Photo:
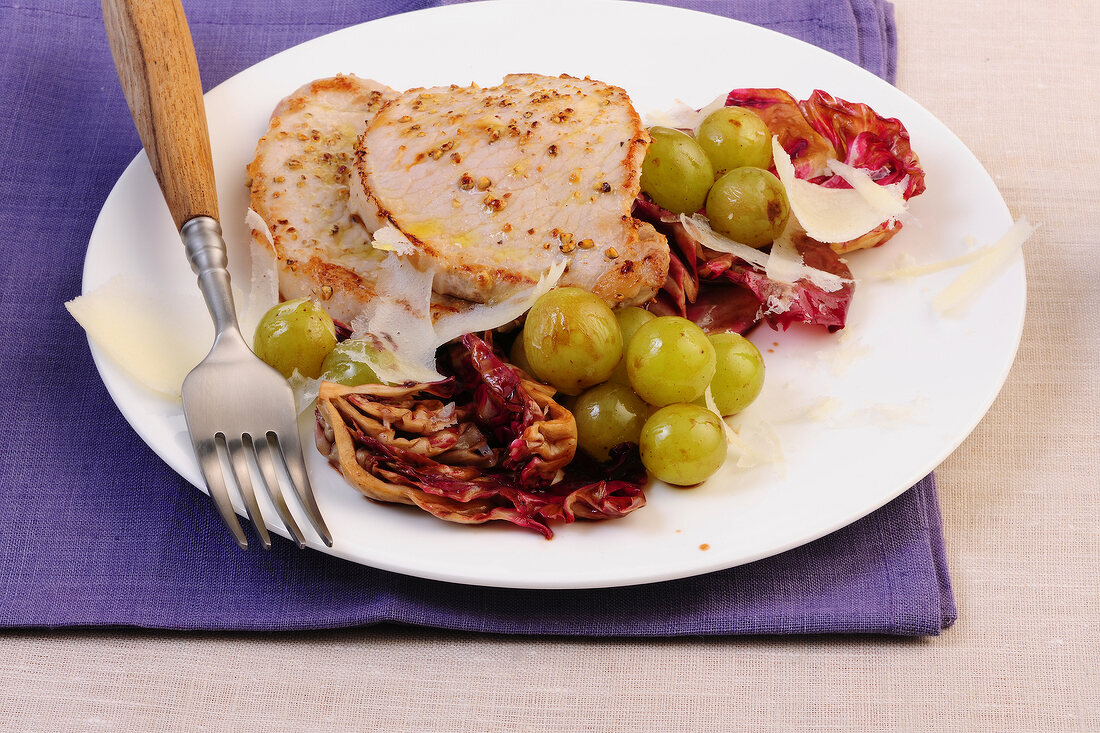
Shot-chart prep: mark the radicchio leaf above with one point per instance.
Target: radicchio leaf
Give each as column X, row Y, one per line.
column 823, row 127
column 488, row 444
column 721, row 292
column 863, row 139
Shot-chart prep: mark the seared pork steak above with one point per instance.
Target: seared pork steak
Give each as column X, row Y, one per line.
column 493, row 185
column 299, row 184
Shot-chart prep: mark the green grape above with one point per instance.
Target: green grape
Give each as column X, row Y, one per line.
column 349, row 364
column 669, row 360
column 518, row 356
column 733, row 137
column 739, row 375
column 572, row 339
column 749, row 206
column 607, row 415
column 683, row 444
column 676, row 173
column 630, row 320
column 297, row 334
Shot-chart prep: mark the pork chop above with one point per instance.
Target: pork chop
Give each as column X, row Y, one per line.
column 493, row 185
column 299, row 186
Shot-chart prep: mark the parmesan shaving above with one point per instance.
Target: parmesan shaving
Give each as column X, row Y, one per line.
column 305, row 390
column 256, row 223
column 824, row 409
column 788, row 268
column 390, row 239
column 708, row 399
column 908, row 267
column 755, row 441
column 485, row 317
column 155, row 337
column 698, row 226
column 399, row 320
column 785, row 264
column 683, row 116
column 833, row 215
column 992, row 259
column 888, row 199
column 888, row 416
column 845, row 351
column 264, row 291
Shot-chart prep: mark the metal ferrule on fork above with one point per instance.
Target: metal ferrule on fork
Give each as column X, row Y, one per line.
column 202, row 240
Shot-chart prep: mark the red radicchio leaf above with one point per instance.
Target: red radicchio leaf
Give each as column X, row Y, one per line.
column 808, row 148
column 589, row 491
column 503, row 407
column 863, row 139
column 725, row 308
column 824, row 127
column 729, row 294
column 516, row 447
column 806, row 302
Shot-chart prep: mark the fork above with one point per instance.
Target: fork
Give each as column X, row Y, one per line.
column 240, row 412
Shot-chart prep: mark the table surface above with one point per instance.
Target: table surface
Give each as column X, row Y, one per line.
column 1019, row 82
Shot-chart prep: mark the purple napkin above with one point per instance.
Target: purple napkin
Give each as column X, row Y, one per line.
column 96, row 530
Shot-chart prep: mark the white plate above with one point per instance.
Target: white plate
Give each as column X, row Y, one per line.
column 859, row 418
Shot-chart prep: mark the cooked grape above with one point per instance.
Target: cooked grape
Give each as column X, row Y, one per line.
column 669, row 360
column 739, row 374
column 733, row 137
column 572, row 339
column 630, row 320
column 349, row 364
column 749, row 206
column 607, row 415
column 518, row 356
column 683, row 444
column 676, row 173
column 297, row 334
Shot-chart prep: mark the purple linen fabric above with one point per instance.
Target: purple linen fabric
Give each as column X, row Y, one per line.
column 95, row 530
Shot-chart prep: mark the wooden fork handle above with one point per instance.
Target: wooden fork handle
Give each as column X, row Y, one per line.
column 155, row 58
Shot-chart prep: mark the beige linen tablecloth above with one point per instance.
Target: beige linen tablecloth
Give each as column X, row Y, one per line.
column 1019, row 82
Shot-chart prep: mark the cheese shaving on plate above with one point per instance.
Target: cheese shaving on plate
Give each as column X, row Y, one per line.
column 487, row 316
column 783, row 265
column 953, row 299
column 398, row 320
column 390, row 239
column 264, row 291
column 155, row 337
column 833, row 215
column 908, row 267
column 305, row 390
column 752, row 441
column 683, row 116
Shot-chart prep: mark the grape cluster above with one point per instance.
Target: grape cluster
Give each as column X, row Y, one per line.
column 723, row 171
column 638, row 379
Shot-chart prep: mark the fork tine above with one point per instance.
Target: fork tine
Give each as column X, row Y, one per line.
column 295, row 465
column 244, row 480
column 210, row 466
column 269, row 479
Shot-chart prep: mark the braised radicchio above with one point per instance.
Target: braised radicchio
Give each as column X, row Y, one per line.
column 721, row 292
column 825, row 127
column 487, row 444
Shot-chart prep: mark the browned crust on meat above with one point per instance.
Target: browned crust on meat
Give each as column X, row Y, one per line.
column 637, row 275
column 342, row 290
